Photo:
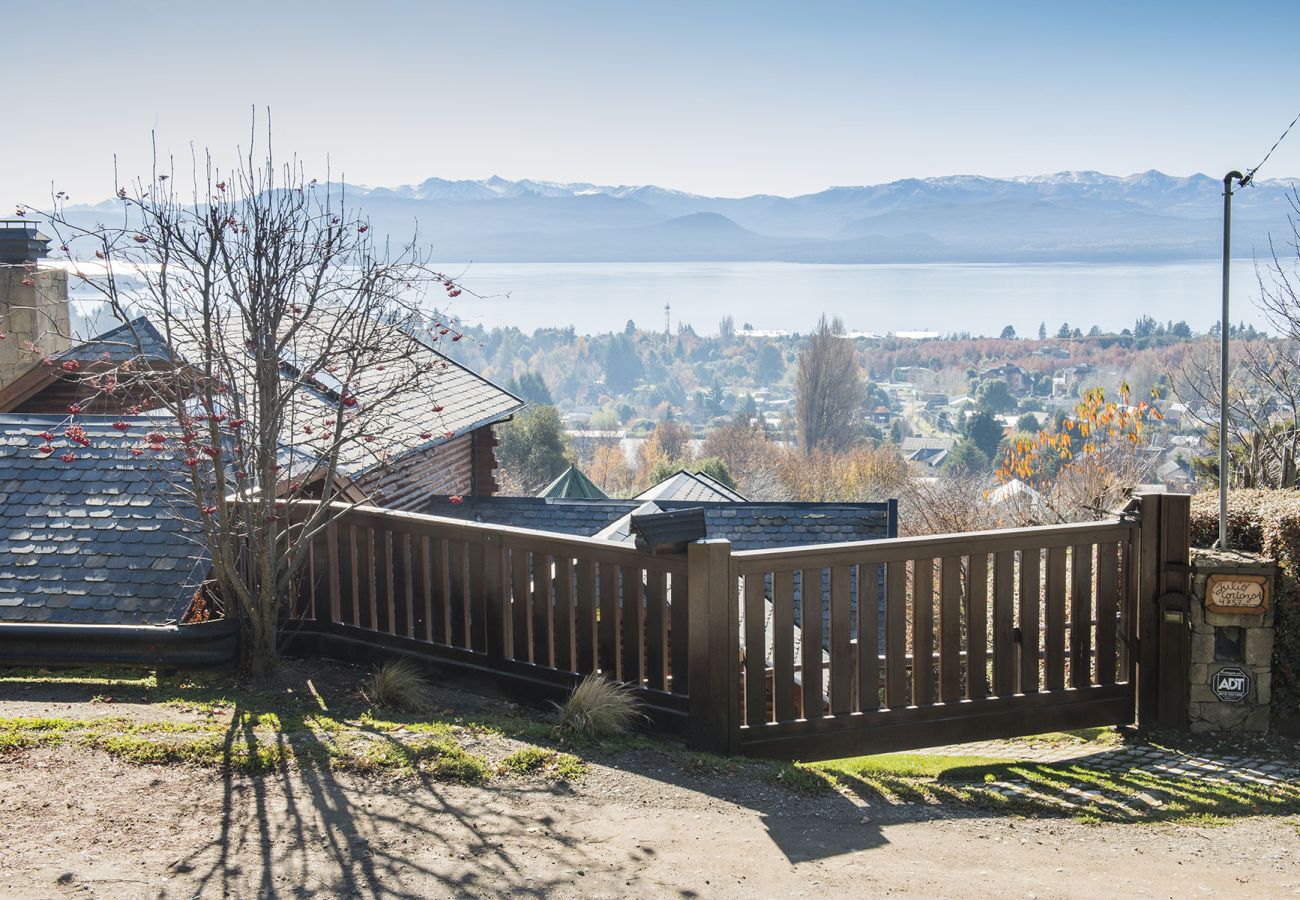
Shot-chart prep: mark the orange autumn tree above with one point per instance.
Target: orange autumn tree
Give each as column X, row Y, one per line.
column 1086, row 466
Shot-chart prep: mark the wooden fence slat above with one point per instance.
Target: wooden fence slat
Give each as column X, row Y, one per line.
column 1107, row 610
column 477, row 598
column 896, row 686
column 442, row 588
column 922, row 632
column 1130, row 572
column 408, row 583
column 755, row 650
column 309, row 574
column 464, row 595
column 543, row 611
column 520, row 580
column 679, row 633
column 869, row 600
column 633, row 624
column 656, row 629
column 387, row 581
column 977, row 624
column 564, row 614
column 336, row 598
column 1004, row 643
column 426, row 584
column 1030, row 604
column 1081, row 616
column 585, row 625
column 950, row 573
column 354, row 571
column 1054, row 620
column 841, row 643
column 811, row 611
column 783, row 646
column 372, row 581
column 608, row 630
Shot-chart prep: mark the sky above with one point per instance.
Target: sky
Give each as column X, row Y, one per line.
column 716, row 98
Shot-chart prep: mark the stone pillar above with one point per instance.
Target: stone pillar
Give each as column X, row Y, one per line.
column 1231, row 616
column 33, row 313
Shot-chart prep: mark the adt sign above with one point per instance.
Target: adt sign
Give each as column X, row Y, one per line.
column 1231, row 684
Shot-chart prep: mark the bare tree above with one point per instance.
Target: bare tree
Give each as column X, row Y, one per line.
column 293, row 334
column 829, row 392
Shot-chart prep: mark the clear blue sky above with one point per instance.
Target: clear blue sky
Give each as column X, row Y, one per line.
column 713, row 97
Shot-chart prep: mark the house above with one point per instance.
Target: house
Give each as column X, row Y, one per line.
column 1018, row 380
column 408, row 462
column 930, row 451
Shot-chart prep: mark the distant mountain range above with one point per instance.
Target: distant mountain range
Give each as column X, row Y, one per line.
column 1066, row 217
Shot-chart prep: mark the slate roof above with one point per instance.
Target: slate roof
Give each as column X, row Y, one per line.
column 573, row 485
column 756, row 526
column 465, row 400
column 690, row 486
column 128, row 341
column 93, row 541
column 582, row 518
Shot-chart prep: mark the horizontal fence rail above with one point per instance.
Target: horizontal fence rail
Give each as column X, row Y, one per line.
column 854, row 648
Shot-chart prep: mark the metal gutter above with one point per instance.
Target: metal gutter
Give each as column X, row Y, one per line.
column 203, row 644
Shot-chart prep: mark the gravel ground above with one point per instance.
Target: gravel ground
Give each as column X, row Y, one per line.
column 644, row 822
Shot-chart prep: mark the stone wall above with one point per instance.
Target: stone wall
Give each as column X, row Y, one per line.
column 1220, row 641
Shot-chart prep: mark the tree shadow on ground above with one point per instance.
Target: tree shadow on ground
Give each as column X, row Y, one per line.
column 305, row 829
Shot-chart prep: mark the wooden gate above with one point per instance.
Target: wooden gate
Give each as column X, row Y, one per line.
column 885, row 645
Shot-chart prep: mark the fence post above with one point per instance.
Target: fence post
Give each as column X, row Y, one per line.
column 494, row 598
column 1163, row 556
column 713, row 618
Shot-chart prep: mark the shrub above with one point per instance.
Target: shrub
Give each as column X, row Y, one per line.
column 397, row 684
column 598, row 708
column 1266, row 522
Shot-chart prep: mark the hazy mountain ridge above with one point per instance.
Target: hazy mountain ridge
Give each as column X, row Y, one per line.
column 1062, row 217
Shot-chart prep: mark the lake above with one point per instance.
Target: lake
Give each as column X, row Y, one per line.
column 981, row 299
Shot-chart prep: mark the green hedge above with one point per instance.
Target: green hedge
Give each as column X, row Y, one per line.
column 1266, row 522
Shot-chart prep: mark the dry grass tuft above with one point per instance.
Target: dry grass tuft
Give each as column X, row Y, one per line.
column 397, row 684
column 598, row 708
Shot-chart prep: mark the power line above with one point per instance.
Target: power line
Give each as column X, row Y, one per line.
column 1250, row 174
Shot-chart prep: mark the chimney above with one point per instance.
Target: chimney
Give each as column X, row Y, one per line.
column 33, row 301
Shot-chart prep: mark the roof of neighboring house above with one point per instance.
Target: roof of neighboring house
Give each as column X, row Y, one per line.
column 93, row 541
column 756, row 526
column 423, row 392
column 727, row 515
column 419, row 391
column 912, row 444
column 582, row 518
column 691, row 486
column 130, row 340
column 573, row 485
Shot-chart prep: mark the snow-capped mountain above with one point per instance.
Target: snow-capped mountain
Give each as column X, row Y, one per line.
column 1066, row 216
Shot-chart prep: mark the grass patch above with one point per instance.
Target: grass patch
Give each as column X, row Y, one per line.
column 910, row 765
column 209, row 752
column 539, row 761
column 1103, row 736
column 803, row 778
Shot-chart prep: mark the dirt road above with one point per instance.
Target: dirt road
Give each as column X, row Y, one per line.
column 75, row 822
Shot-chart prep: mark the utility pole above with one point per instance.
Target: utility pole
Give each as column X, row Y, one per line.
column 1242, row 181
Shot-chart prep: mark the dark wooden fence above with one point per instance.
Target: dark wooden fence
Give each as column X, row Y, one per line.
column 806, row 653
column 531, row 608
